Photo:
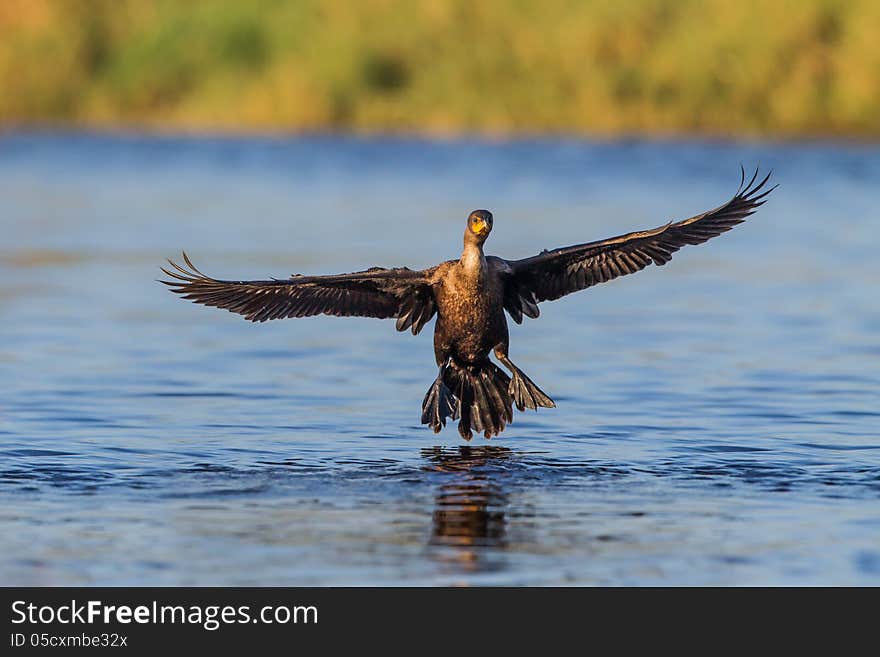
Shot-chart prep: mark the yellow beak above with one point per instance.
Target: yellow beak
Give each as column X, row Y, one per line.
column 480, row 227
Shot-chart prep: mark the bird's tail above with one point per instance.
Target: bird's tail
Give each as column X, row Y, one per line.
column 477, row 396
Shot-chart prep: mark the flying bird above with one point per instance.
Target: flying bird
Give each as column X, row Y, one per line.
column 469, row 296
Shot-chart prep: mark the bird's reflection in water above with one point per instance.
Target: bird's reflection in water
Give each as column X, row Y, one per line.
column 470, row 503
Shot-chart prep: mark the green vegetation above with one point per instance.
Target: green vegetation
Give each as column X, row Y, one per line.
column 785, row 68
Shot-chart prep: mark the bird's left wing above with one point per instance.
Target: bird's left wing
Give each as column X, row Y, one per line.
column 553, row 274
column 383, row 293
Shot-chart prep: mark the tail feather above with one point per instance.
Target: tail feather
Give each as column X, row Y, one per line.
column 481, row 400
column 494, row 403
column 489, row 418
column 496, row 387
column 465, row 394
column 481, row 397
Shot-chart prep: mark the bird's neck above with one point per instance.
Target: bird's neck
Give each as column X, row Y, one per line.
column 473, row 262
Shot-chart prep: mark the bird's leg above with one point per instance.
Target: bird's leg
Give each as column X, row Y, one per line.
column 523, row 390
column 438, row 403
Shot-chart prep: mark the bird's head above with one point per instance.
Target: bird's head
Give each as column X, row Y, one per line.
column 479, row 225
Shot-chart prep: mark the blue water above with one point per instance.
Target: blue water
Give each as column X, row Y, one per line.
column 717, row 418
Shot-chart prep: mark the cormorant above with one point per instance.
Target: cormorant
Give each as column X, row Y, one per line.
column 469, row 297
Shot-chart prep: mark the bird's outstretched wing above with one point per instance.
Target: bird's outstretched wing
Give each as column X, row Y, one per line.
column 383, row 293
column 553, row 274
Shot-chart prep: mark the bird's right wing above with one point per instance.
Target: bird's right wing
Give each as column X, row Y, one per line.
column 383, row 293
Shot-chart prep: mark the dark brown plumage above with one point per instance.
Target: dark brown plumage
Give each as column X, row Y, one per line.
column 469, row 297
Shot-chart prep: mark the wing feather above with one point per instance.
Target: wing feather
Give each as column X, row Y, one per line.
column 553, row 274
column 376, row 292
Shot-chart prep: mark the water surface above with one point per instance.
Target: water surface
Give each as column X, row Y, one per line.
column 716, row 423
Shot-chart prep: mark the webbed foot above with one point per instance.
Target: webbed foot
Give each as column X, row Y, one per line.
column 438, row 404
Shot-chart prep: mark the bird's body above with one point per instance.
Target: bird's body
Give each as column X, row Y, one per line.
column 470, row 297
column 470, row 312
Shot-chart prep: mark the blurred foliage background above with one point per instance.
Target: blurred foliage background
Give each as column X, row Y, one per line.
column 785, row 68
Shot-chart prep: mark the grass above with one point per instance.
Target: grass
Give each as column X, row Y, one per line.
column 784, row 68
